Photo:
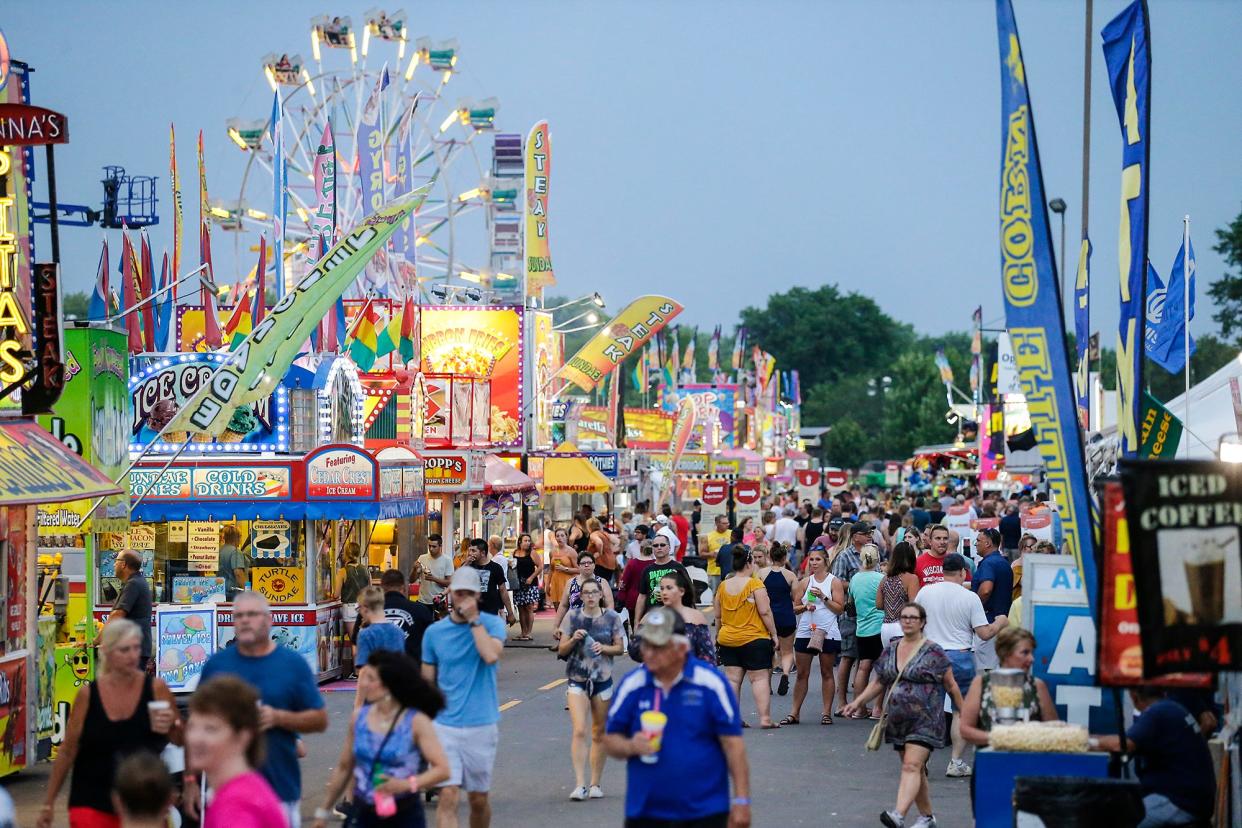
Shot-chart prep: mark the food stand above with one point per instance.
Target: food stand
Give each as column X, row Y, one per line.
column 297, row 518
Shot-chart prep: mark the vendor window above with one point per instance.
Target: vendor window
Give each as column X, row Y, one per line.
column 195, row 562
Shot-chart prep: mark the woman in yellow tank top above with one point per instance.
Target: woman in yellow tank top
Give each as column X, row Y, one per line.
column 746, row 633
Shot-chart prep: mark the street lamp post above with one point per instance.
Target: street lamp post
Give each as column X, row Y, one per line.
column 1057, row 205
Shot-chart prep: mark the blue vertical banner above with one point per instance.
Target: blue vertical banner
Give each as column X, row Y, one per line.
column 1082, row 333
column 280, row 194
column 1128, row 57
column 1033, row 313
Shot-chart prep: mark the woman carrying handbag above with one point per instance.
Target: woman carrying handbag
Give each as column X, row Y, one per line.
column 917, row 673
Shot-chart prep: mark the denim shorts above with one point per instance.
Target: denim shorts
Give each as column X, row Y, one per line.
column 963, row 662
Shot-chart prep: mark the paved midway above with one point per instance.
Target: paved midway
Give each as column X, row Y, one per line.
column 800, row 775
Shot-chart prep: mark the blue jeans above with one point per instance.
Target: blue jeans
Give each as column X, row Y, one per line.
column 1162, row 812
column 963, row 662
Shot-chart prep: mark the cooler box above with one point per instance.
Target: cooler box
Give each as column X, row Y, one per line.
column 995, row 772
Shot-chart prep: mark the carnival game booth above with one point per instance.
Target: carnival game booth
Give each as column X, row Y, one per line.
column 301, row 521
column 36, row 470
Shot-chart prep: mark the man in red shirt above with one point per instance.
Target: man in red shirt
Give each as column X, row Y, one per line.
column 930, row 565
column 681, row 525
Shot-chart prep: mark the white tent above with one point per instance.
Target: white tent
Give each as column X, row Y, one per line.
column 1211, row 412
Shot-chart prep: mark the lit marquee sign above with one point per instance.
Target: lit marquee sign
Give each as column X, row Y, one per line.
column 14, row 320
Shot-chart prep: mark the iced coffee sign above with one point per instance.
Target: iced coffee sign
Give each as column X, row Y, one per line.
column 1184, row 518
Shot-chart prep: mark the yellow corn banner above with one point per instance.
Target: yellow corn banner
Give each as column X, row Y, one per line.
column 625, row 334
column 258, row 364
column 538, row 164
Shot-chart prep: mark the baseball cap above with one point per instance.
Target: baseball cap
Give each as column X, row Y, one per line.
column 836, row 523
column 659, row 626
column 661, row 519
column 466, row 578
column 954, row 563
column 861, row 526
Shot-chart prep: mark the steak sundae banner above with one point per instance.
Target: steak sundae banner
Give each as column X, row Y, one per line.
column 1183, row 518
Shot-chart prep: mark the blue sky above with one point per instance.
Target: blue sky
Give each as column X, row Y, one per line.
column 713, row 151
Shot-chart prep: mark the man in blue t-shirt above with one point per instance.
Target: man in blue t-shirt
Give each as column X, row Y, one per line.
column 1174, row 764
column 993, row 581
column 288, row 694
column 703, row 732
column 460, row 654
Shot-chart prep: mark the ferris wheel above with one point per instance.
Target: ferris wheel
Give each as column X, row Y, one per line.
column 394, row 121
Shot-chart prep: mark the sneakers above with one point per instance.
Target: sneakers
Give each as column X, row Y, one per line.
column 579, row 794
column 892, row 819
column 783, row 687
column 925, row 821
column 596, row 792
column 958, row 768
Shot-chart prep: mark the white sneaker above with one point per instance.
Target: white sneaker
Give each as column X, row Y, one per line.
column 928, row 821
column 596, row 792
column 892, row 819
column 958, row 768
column 579, row 794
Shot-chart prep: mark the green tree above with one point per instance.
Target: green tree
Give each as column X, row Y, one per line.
column 846, row 445
column 825, row 334
column 75, row 305
column 914, row 407
column 1226, row 291
column 1210, row 355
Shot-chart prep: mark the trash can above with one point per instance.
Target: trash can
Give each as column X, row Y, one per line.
column 1076, row 802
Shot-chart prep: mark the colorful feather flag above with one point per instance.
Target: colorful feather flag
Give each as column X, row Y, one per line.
column 409, row 326
column 129, row 293
column 363, row 348
column 280, row 196
column 260, row 296
column 240, row 322
column 175, row 179
column 739, row 346
column 385, row 337
column 713, row 352
column 207, row 298
column 165, row 307
column 101, row 299
column 146, row 289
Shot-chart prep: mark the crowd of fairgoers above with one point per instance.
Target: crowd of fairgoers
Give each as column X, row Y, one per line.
column 904, row 618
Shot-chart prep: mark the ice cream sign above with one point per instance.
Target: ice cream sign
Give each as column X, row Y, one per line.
column 340, row 472
column 162, row 387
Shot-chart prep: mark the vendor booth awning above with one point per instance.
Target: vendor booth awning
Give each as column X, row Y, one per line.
column 35, row 467
column 501, row 478
column 574, row 474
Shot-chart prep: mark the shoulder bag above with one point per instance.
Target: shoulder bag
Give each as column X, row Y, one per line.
column 356, row 809
column 877, row 733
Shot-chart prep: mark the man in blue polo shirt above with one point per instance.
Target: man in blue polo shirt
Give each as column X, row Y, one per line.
column 703, row 731
column 993, row 582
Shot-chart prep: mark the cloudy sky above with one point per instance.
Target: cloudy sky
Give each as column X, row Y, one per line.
column 713, row 151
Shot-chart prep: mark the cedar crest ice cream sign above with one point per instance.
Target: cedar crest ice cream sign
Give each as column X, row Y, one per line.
column 164, row 385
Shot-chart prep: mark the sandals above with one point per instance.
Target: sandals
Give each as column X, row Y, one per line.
column 790, row 720
column 825, row 719
column 772, row 726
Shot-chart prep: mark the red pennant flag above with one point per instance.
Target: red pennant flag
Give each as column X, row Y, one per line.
column 129, row 292
column 260, row 296
column 146, row 287
column 211, row 319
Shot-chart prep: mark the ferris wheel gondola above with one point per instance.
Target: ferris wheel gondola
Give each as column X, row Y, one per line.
column 399, row 113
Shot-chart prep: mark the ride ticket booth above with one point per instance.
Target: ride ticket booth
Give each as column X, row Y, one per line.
column 298, row 521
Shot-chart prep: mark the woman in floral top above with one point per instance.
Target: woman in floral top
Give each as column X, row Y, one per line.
column 918, row 674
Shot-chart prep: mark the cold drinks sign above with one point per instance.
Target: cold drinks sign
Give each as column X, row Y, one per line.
column 1184, row 518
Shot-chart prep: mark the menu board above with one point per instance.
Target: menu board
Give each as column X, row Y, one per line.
column 185, row 638
column 203, row 546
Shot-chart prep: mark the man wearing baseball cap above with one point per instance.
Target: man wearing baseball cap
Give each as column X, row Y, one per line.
column 702, row 730
column 460, row 653
column 955, row 616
